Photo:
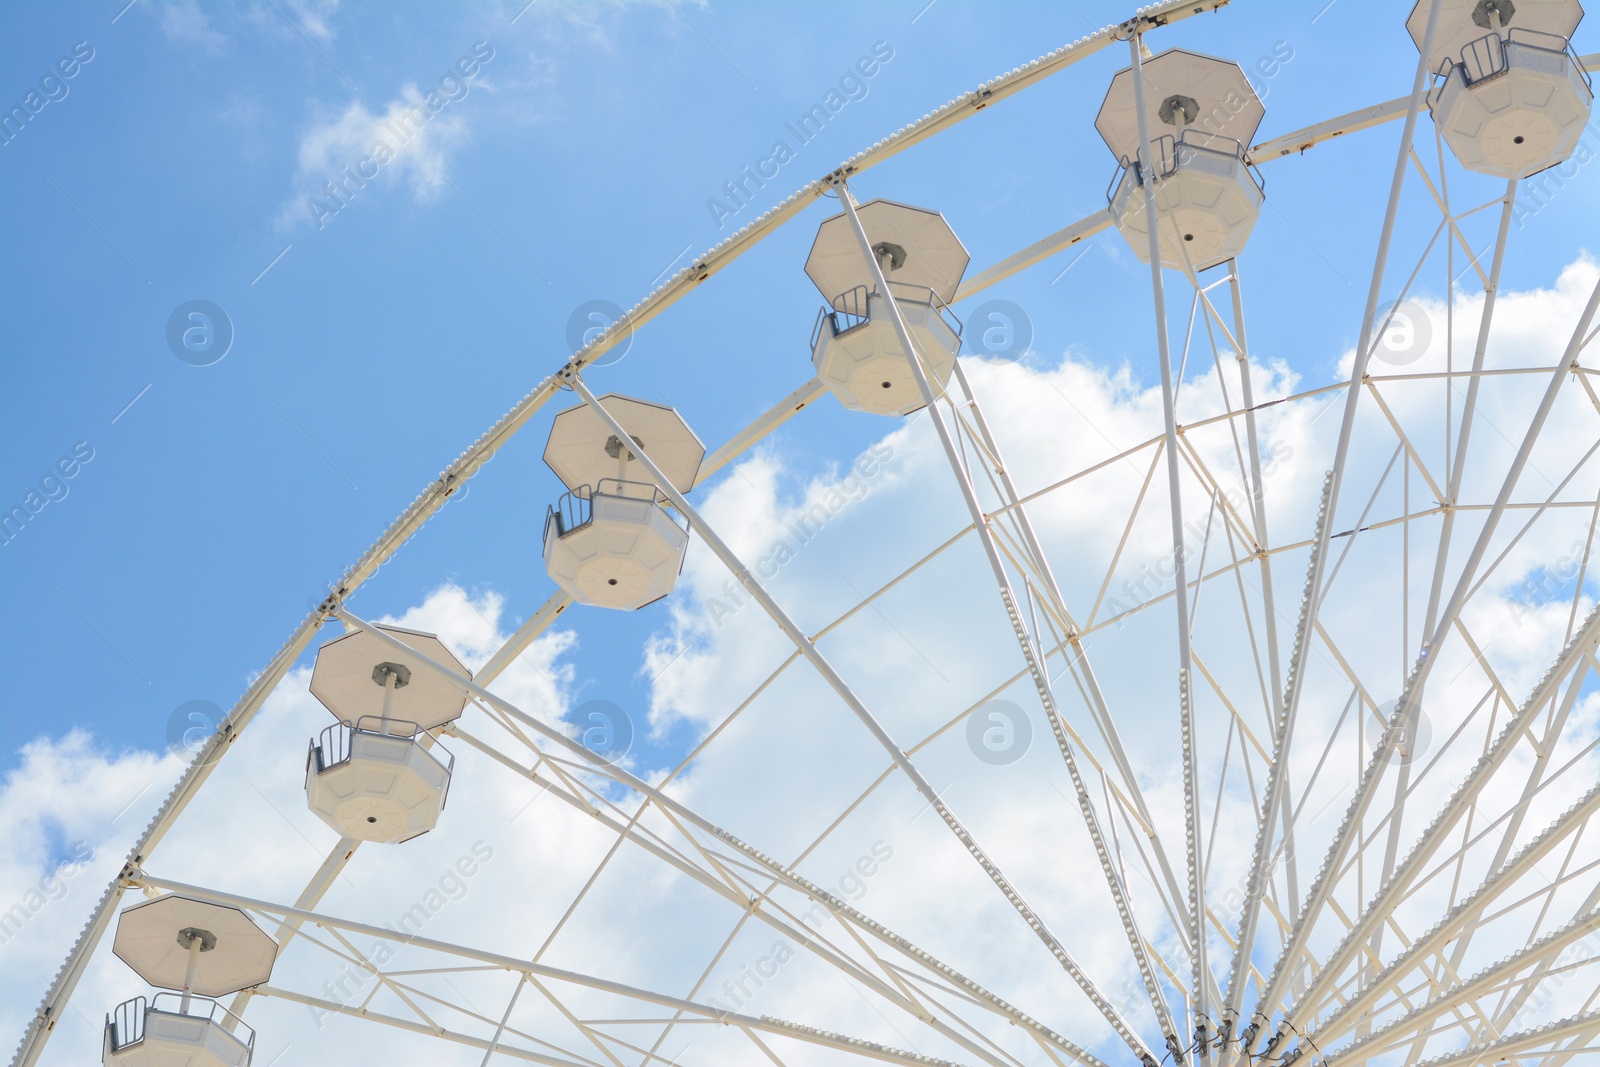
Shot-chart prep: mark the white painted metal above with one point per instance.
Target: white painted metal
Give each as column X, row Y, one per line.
column 1424, row 980
column 1512, row 100
column 344, row 679
column 438, row 492
column 226, row 953
column 1035, row 253
column 371, row 783
column 1199, row 989
column 582, row 450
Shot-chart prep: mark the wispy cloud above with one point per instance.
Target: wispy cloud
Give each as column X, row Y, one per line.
column 313, row 15
column 186, row 24
column 408, row 140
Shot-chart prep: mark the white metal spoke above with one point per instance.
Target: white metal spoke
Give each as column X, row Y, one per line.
column 809, row 650
column 1412, row 692
column 1435, row 923
column 532, row 970
column 663, row 801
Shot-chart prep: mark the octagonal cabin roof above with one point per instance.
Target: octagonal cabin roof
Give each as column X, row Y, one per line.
column 925, row 250
column 152, row 937
column 580, row 450
column 1182, row 90
column 1463, row 21
column 343, row 678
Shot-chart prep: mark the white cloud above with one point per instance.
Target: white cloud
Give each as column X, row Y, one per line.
column 312, row 16
column 185, row 23
column 781, row 771
column 407, row 142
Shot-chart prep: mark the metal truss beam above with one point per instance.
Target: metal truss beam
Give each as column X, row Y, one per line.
column 1405, row 1027
column 1462, row 916
column 1500, row 1050
column 765, row 1024
column 959, row 983
column 1350, row 828
column 666, row 803
column 841, row 688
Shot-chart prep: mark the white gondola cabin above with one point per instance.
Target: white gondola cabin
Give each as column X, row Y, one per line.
column 378, row 774
column 202, row 951
column 612, row 540
column 1200, row 115
column 1510, row 97
column 854, row 347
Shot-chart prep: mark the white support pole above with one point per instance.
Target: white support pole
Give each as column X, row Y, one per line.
column 837, row 683
column 1098, row 708
column 1272, row 995
column 389, row 681
column 500, row 1030
column 1462, row 917
column 764, row 1024
column 1008, row 599
column 667, row 803
column 1037, row 252
column 189, row 970
column 1149, row 175
column 1382, row 905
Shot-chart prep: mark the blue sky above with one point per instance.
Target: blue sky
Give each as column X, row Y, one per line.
column 576, row 164
column 576, row 155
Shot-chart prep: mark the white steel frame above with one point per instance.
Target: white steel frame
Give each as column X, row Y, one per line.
column 1349, row 1003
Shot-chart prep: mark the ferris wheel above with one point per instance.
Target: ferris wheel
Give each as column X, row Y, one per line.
column 1335, row 868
